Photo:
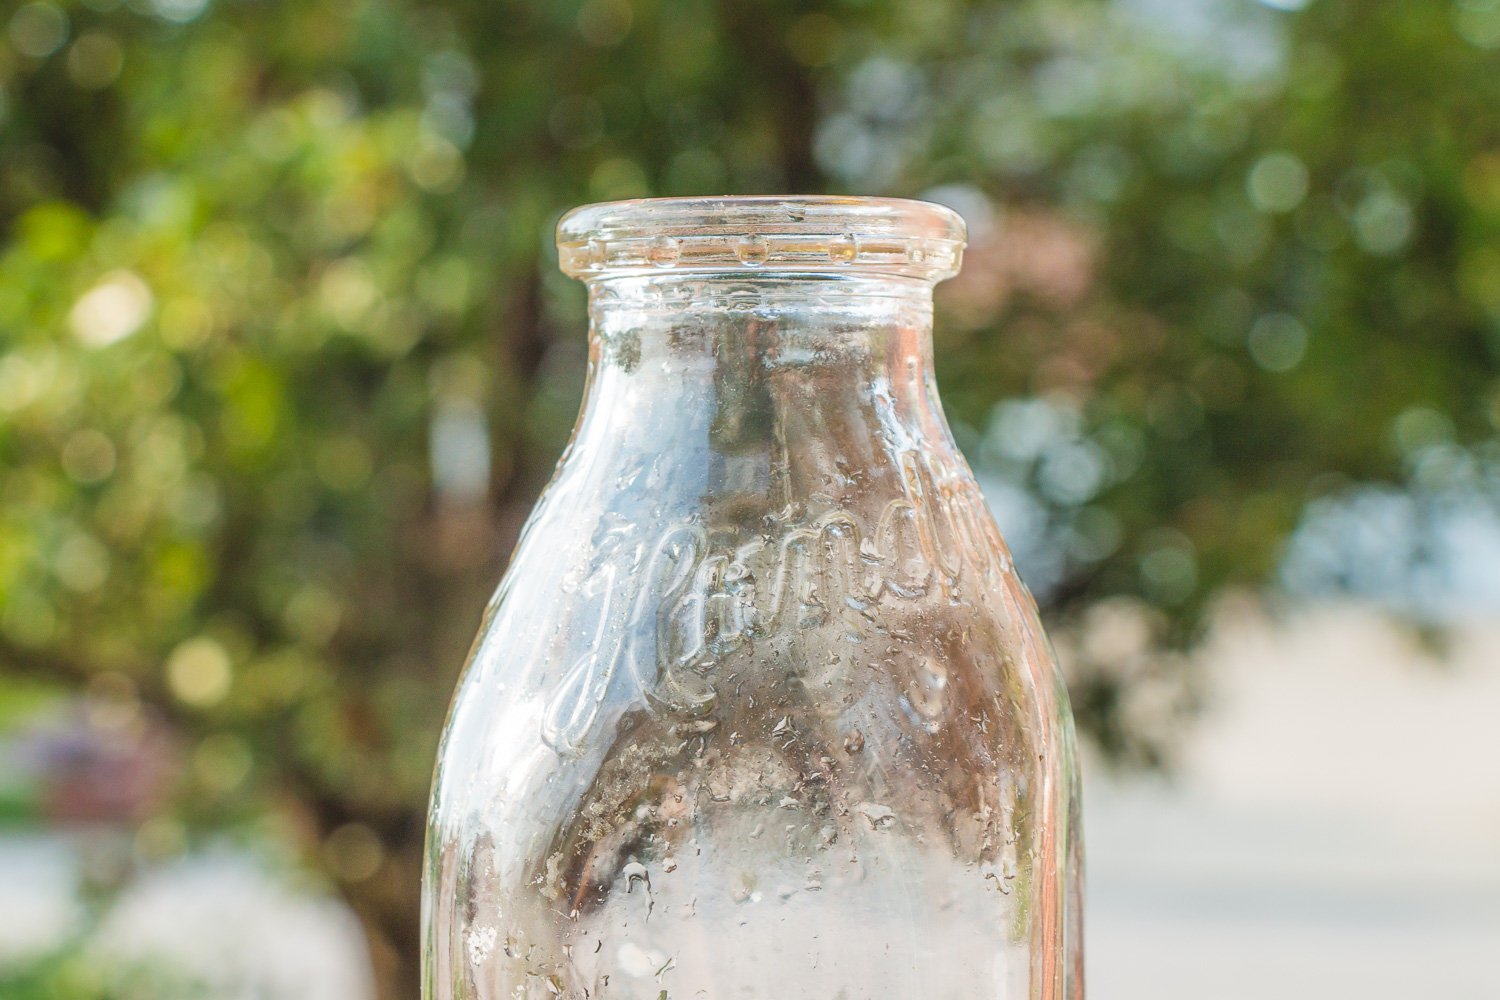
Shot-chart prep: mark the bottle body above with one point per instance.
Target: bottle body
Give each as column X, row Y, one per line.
column 761, row 708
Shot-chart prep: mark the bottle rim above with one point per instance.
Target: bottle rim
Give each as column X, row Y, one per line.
column 802, row 233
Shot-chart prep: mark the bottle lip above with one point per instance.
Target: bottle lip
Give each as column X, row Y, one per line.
column 803, row 233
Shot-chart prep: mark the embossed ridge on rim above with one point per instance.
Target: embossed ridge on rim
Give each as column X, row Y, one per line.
column 808, row 233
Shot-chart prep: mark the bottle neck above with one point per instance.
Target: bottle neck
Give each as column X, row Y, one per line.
column 760, row 356
column 781, row 390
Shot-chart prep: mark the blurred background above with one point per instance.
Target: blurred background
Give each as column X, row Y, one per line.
column 285, row 359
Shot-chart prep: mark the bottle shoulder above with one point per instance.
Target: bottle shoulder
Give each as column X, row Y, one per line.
column 601, row 609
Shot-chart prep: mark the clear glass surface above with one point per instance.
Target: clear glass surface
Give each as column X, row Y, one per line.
column 760, row 708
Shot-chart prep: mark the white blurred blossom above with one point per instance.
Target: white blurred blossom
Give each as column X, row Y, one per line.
column 229, row 930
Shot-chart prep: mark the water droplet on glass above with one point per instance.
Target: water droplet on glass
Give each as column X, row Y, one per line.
column 752, row 250
column 841, row 249
column 636, row 961
column 636, row 872
column 664, row 251
column 879, row 816
column 743, row 889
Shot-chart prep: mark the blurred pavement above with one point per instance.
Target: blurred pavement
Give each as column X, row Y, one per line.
column 1334, row 830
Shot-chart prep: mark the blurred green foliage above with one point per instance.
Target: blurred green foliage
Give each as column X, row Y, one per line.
column 73, row 975
column 251, row 250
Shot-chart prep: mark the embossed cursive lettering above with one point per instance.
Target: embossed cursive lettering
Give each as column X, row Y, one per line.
column 663, row 630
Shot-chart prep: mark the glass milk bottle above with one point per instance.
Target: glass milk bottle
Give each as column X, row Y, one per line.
column 761, row 710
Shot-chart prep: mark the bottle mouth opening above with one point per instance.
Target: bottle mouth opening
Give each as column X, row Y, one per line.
column 807, row 234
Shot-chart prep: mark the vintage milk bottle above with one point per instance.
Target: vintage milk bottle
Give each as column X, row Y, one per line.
column 761, row 710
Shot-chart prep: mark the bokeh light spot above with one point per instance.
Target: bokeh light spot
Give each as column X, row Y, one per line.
column 160, row 837
column 1277, row 182
column 199, row 672
column 82, row 564
column 38, row 29
column 1277, row 342
column 1478, row 22
column 111, row 310
column 95, row 60
column 221, row 762
column 353, row 852
column 178, row 11
column 605, row 22
column 436, row 165
column 88, row 457
column 617, row 178
column 1170, row 572
column 21, row 381
column 1420, row 427
column 1383, row 222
